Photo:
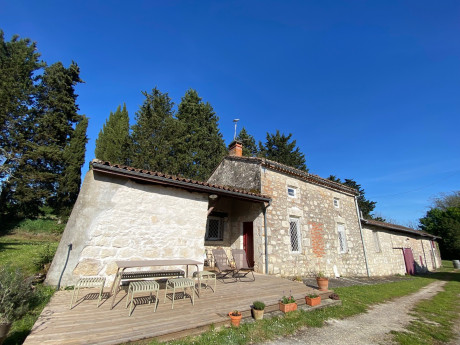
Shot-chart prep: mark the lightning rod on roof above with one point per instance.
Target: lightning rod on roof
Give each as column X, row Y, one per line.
column 235, row 121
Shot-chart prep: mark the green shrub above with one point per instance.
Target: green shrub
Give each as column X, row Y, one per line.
column 44, row 257
column 40, row 226
column 258, row 305
column 15, row 294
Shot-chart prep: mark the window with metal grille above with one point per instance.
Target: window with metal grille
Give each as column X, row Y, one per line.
column 214, row 229
column 376, row 242
column 294, row 233
column 342, row 238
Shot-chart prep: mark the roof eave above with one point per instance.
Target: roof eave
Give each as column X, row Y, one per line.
column 175, row 183
column 389, row 227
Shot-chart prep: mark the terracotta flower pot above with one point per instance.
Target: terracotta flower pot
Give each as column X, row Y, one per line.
column 323, row 283
column 4, row 328
column 313, row 301
column 235, row 319
column 258, row 314
column 286, row 308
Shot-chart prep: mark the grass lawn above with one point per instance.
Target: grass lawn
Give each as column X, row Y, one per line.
column 26, row 245
column 435, row 317
column 23, row 252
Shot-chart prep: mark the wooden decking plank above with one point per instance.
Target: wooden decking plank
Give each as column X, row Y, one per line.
column 86, row 324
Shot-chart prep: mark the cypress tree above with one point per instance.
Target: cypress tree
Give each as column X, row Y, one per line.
column 114, row 143
column 70, row 179
column 56, row 116
column 154, row 133
column 365, row 206
column 278, row 148
column 19, row 64
column 38, row 115
column 249, row 143
column 201, row 146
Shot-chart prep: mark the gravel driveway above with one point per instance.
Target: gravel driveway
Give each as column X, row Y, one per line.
column 367, row 328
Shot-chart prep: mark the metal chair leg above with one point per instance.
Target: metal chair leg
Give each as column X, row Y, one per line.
column 193, row 294
column 73, row 296
column 131, row 304
column 127, row 297
column 100, row 296
column 156, row 300
column 76, row 297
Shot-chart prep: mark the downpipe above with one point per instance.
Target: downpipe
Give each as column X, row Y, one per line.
column 69, row 248
column 362, row 237
column 266, row 235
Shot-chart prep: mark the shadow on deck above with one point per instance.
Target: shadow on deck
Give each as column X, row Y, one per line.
column 86, row 324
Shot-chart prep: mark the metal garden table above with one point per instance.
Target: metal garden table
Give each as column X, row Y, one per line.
column 122, row 265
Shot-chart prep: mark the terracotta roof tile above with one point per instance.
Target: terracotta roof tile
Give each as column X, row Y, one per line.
column 107, row 167
column 315, row 179
column 397, row 228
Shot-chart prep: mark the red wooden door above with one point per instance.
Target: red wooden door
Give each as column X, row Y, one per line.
column 409, row 261
column 248, row 242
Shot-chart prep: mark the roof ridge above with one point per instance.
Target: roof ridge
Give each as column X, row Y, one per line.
column 305, row 174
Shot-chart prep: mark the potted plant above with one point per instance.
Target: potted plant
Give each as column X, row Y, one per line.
column 15, row 294
column 323, row 281
column 258, row 310
column 313, row 299
column 287, row 304
column 235, row 316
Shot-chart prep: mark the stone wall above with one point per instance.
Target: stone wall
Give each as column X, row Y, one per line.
column 238, row 173
column 318, row 218
column 118, row 219
column 386, row 256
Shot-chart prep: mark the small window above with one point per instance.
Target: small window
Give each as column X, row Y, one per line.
column 342, row 238
column 291, row 192
column 376, row 242
column 294, row 233
column 336, row 202
column 214, row 229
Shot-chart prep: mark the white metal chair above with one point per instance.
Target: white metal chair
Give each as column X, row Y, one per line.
column 180, row 283
column 150, row 286
column 204, row 277
column 88, row 282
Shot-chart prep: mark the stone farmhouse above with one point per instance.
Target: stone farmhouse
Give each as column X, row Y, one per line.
column 289, row 222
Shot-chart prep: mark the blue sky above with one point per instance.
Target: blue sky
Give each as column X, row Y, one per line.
column 369, row 89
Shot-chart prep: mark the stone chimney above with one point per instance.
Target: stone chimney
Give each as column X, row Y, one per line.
column 235, row 149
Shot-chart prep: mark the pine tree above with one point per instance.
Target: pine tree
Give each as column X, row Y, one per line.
column 249, row 143
column 43, row 163
column 278, row 148
column 114, row 142
column 70, row 179
column 19, row 66
column 200, row 147
column 38, row 115
column 365, row 206
column 154, row 133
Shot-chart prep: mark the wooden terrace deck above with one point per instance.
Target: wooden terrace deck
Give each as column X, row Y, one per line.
column 86, row 324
